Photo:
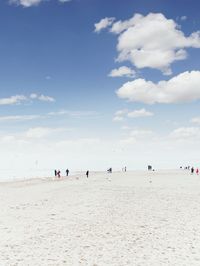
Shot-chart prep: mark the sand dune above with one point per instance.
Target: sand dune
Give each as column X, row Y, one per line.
column 132, row 218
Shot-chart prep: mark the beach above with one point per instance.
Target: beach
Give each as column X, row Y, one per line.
column 124, row 218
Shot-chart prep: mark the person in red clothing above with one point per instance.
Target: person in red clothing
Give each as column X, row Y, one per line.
column 197, row 171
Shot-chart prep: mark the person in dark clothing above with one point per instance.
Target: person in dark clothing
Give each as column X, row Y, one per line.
column 55, row 172
column 192, row 170
column 87, row 173
column 67, row 172
column 58, row 173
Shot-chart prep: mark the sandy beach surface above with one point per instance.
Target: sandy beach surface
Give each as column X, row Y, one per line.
column 132, row 218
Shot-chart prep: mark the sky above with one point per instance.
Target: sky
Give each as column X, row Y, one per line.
column 93, row 84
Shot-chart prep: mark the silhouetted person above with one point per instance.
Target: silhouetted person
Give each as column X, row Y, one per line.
column 192, row 170
column 58, row 173
column 125, row 169
column 67, row 172
column 87, row 173
column 55, row 172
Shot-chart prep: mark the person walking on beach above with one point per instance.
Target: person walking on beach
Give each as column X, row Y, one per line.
column 87, row 173
column 197, row 171
column 192, row 170
column 58, row 173
column 67, row 172
column 55, row 173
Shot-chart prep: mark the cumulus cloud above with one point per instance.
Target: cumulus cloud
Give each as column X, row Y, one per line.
column 179, row 89
column 103, row 24
column 152, row 41
column 122, row 114
column 122, row 71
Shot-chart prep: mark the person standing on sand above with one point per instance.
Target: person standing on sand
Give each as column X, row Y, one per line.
column 55, row 173
column 67, row 172
column 87, row 173
column 192, row 170
column 58, row 173
column 197, row 171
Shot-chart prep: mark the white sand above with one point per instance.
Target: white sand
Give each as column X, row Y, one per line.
column 135, row 218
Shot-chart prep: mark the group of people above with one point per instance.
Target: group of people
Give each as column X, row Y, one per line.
column 57, row 173
column 191, row 169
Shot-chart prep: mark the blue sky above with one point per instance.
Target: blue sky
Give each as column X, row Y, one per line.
column 58, row 88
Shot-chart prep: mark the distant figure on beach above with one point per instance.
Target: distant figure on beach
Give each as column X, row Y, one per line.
column 58, row 173
column 87, row 173
column 149, row 167
column 67, row 172
column 109, row 170
column 55, row 172
column 125, row 169
column 192, row 170
column 197, row 171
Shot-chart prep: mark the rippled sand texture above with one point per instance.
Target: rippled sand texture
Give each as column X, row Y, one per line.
column 132, row 218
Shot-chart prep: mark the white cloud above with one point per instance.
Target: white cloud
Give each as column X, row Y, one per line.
column 140, row 113
column 195, row 120
column 141, row 133
column 33, row 96
column 186, row 133
column 122, row 114
column 46, row 98
column 152, row 41
column 42, row 97
column 26, row 3
column 29, row 3
column 16, row 99
column 38, row 132
column 118, row 118
column 179, row 89
column 103, row 24
column 64, row 1
column 18, row 117
column 183, row 18
column 77, row 114
column 122, row 71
